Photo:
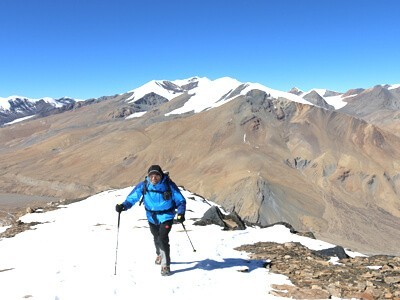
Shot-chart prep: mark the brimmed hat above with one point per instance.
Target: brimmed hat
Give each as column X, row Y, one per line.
column 155, row 169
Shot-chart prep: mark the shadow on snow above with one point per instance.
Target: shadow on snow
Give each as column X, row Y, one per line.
column 242, row 265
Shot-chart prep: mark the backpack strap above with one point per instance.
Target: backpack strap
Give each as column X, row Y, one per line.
column 143, row 191
column 167, row 194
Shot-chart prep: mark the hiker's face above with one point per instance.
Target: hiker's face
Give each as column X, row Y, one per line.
column 155, row 178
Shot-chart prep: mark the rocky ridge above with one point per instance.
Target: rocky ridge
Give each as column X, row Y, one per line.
column 321, row 274
column 315, row 276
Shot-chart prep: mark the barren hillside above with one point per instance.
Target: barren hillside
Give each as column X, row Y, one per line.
column 268, row 159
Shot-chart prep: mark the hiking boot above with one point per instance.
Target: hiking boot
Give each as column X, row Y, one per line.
column 158, row 260
column 165, row 271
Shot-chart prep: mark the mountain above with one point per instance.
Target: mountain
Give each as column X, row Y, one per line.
column 268, row 155
column 379, row 105
column 16, row 108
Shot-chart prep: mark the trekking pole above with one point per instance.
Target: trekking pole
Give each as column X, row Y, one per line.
column 116, row 249
column 184, row 228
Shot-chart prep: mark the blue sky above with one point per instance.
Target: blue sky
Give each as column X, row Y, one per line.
column 91, row 48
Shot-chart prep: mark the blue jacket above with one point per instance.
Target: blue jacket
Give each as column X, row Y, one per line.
column 158, row 210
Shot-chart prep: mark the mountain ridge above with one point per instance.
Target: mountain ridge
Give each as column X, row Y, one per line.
column 17, row 108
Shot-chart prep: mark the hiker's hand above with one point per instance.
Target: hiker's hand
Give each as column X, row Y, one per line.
column 181, row 218
column 119, row 208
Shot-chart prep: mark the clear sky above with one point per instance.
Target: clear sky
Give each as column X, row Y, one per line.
column 91, row 48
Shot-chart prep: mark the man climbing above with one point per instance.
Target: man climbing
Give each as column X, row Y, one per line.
column 162, row 200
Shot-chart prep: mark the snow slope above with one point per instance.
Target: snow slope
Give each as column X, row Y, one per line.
column 207, row 94
column 215, row 93
column 72, row 255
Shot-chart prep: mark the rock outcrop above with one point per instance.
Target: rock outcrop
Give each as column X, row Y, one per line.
column 213, row 215
column 316, row 276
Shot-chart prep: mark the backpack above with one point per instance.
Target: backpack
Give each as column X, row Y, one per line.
column 167, row 195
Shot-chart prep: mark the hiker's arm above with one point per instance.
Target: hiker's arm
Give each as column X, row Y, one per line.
column 134, row 196
column 180, row 201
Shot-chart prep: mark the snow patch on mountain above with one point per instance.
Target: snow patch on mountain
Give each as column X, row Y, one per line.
column 19, row 120
column 214, row 93
column 135, row 115
column 207, row 94
column 336, row 99
column 394, row 86
column 158, row 87
column 4, row 103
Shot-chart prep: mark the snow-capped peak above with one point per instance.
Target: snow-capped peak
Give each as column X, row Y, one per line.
column 296, row 91
column 164, row 88
column 320, row 92
column 184, row 82
column 18, row 108
column 7, row 103
column 214, row 93
column 206, row 93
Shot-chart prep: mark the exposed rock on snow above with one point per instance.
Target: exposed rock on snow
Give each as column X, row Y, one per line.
column 316, row 276
column 213, row 215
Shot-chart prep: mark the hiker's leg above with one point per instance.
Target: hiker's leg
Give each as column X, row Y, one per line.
column 165, row 228
column 155, row 229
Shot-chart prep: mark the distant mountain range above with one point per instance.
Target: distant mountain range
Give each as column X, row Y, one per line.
column 17, row 108
column 322, row 161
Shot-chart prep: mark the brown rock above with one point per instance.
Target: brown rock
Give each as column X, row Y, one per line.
column 392, row 279
column 351, row 279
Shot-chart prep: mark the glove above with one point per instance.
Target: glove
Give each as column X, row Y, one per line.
column 181, row 218
column 120, row 208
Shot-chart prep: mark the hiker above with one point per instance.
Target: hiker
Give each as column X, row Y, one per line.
column 162, row 200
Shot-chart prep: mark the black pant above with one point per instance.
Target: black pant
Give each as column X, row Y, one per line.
column 161, row 240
